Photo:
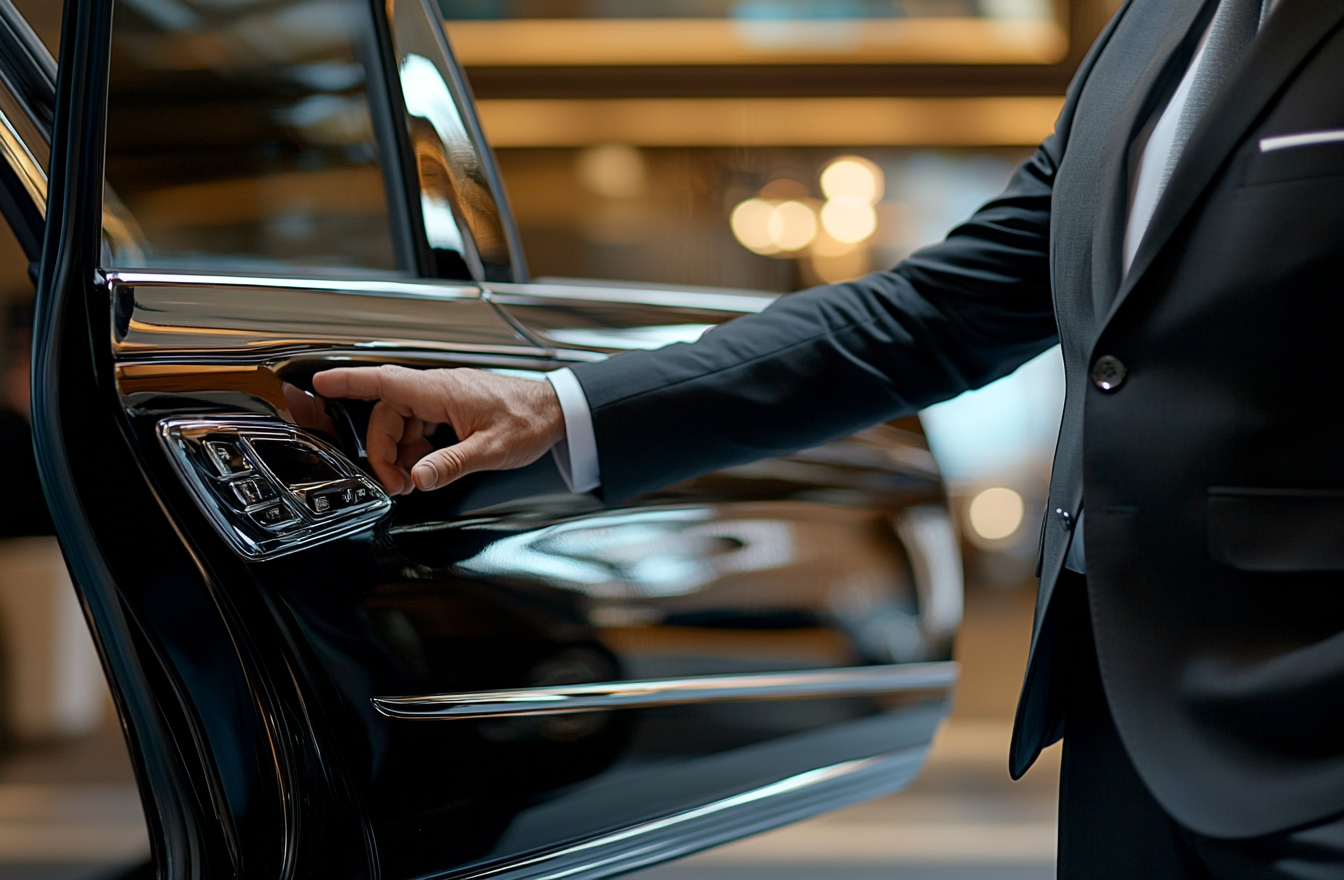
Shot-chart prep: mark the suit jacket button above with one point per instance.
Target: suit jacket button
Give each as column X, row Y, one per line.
column 1108, row 373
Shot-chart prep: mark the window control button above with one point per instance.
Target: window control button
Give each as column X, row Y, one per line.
column 226, row 457
column 339, row 497
column 253, row 491
column 275, row 515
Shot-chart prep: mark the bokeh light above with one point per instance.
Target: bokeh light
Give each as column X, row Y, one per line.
column 614, row 171
column 751, row 226
column 853, row 179
column 783, row 219
column 996, row 513
column 849, row 221
column 792, row 226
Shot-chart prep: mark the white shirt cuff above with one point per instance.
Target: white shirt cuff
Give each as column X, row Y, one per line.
column 576, row 455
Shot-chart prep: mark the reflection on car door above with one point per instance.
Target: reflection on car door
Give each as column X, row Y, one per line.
column 497, row 679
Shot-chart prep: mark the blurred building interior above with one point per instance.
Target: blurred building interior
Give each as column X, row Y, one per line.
column 766, row 144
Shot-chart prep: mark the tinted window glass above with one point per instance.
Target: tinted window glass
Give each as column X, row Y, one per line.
column 240, row 135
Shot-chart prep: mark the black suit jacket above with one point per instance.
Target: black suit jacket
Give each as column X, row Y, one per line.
column 1214, row 475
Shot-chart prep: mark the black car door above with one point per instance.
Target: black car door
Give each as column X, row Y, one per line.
column 498, row 679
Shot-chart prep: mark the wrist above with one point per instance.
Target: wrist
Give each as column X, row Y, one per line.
column 548, row 415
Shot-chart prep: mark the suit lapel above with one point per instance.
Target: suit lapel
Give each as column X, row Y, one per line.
column 1165, row 65
column 1291, row 33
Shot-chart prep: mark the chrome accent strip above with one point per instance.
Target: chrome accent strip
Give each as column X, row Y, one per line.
column 179, row 315
column 386, row 288
column 27, row 97
column 709, row 300
column 575, row 356
column 263, row 351
column 1306, row 138
column 796, row 797
column 25, row 165
column 810, row 684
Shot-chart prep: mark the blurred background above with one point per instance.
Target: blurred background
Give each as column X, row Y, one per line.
column 766, row 144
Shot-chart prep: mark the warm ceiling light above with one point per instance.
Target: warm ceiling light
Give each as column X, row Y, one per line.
column 853, row 178
column 996, row 513
column 848, row 221
column 615, row 171
column 792, row 226
column 750, row 221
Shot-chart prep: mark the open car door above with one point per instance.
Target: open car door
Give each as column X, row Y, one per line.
column 499, row 679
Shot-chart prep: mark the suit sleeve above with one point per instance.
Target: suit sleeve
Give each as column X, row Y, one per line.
column 831, row 360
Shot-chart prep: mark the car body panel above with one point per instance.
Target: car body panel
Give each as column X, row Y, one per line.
column 256, row 680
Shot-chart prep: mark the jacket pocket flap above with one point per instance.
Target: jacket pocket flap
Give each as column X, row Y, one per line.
column 1276, row 529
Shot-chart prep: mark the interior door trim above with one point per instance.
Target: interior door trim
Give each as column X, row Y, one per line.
column 603, row 696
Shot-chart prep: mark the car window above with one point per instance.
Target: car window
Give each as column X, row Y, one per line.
column 241, row 135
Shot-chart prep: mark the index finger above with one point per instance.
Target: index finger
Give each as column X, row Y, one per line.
column 361, row 383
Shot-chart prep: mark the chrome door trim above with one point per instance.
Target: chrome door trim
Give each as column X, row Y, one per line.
column 796, row 797
column 388, row 288
column 28, row 78
column 709, row 300
column 565, row 699
column 181, row 316
column 437, row 104
column 25, row 165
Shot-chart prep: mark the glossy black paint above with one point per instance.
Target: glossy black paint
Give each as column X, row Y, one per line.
column 223, row 751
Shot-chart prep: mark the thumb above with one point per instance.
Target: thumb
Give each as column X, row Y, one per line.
column 443, row 466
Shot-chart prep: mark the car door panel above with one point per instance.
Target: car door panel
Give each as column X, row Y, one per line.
column 508, row 581
column 710, row 660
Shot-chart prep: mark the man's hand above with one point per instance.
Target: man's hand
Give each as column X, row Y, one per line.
column 500, row 422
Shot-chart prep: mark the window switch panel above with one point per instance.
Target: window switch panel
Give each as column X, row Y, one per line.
column 226, row 458
column 273, row 517
column 253, row 490
column 270, row 488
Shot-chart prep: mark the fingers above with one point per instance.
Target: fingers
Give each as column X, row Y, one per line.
column 386, row 429
column 414, row 444
column 502, row 422
column 443, row 466
column 337, row 383
column 395, row 385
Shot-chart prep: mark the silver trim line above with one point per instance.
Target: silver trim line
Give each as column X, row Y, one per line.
column 383, row 287
column 29, row 171
column 809, row 684
column 708, row 300
column 796, row 797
